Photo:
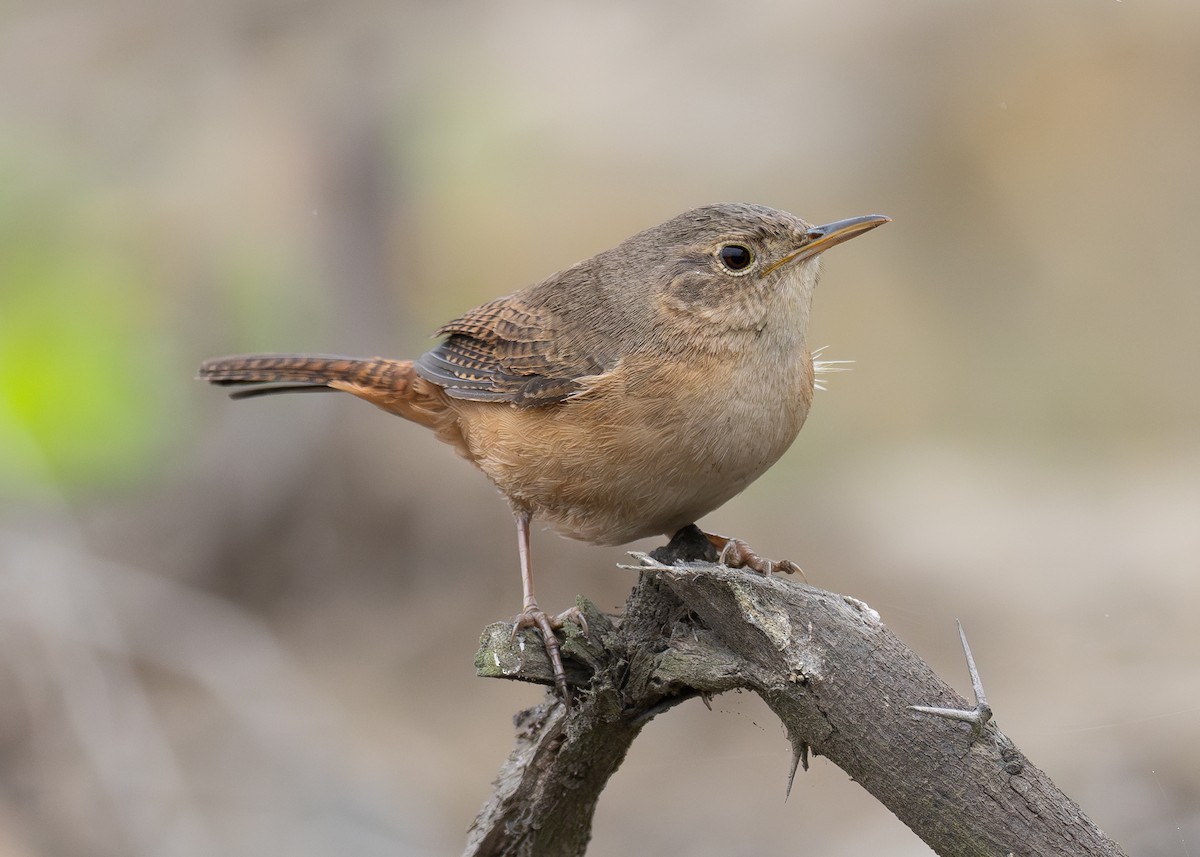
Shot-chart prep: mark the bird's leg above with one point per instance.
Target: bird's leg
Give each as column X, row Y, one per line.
column 735, row 553
column 532, row 616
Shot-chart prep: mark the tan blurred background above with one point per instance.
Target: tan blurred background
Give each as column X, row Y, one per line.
column 247, row 629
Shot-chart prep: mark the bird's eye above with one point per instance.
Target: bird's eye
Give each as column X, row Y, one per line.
column 735, row 257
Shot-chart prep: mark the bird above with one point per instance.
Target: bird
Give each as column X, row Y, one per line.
column 623, row 397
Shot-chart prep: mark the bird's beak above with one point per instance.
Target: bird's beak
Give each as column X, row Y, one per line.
column 818, row 239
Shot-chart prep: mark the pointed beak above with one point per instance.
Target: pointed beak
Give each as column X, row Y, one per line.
column 818, row 239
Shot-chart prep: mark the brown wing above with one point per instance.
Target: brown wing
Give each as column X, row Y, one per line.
column 509, row 351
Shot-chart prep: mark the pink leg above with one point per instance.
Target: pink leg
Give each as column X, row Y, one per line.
column 533, row 616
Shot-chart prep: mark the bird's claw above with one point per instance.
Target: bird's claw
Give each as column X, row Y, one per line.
column 535, row 617
column 735, row 553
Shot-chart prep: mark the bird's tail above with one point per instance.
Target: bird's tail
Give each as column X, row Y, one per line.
column 390, row 384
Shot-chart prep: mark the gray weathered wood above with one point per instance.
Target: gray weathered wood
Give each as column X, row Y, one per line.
column 836, row 677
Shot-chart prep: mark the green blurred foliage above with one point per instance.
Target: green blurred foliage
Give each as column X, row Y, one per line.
column 81, row 375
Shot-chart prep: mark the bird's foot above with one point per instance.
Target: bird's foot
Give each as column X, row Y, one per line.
column 735, row 553
column 535, row 617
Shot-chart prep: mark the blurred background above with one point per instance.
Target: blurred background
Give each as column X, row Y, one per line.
column 249, row 628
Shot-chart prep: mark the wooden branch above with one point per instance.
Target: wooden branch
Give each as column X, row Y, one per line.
column 824, row 663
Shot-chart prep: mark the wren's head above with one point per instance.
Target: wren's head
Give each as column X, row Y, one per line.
column 740, row 268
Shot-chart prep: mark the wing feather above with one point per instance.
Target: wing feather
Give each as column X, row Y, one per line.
column 509, row 351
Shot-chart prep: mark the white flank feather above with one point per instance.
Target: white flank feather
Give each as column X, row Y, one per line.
column 825, row 367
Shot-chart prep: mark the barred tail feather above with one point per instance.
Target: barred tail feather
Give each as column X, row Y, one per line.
column 384, row 382
column 293, row 372
column 303, row 369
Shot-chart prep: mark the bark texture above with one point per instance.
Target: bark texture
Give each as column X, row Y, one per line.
column 834, row 675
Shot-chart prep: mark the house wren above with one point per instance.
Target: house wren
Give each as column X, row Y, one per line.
column 624, row 397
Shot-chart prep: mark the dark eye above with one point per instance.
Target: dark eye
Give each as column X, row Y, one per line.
column 735, row 257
